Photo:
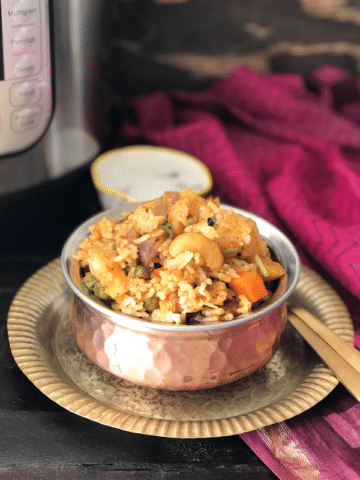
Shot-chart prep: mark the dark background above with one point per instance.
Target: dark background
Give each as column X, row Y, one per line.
column 151, row 44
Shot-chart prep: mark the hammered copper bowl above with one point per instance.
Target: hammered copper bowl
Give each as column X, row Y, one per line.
column 180, row 357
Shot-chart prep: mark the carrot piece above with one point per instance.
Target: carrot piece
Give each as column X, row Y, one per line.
column 249, row 284
column 158, row 270
column 171, row 304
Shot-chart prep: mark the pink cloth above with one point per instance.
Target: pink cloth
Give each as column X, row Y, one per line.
column 292, row 156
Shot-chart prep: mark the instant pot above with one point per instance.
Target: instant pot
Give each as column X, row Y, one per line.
column 52, row 120
column 48, row 81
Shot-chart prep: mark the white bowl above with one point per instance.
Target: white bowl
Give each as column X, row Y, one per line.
column 143, row 172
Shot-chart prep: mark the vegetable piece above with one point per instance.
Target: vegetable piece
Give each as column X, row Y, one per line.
column 100, row 292
column 261, row 266
column 172, row 304
column 249, row 284
column 130, row 267
column 94, row 286
column 273, row 269
column 167, row 227
column 141, row 272
column 158, row 270
column 149, row 305
column 229, row 250
column 147, row 251
column 137, row 271
column 90, row 281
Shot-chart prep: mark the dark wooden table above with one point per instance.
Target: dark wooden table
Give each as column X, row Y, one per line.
column 39, row 439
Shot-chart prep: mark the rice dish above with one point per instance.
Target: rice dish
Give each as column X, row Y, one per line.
column 179, row 259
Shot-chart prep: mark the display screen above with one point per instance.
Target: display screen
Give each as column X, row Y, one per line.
column 1, row 51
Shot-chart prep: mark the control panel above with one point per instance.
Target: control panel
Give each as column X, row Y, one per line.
column 25, row 73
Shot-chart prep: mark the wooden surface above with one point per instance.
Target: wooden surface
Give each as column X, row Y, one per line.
column 40, row 440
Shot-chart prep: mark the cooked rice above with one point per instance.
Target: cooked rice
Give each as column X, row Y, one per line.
column 131, row 260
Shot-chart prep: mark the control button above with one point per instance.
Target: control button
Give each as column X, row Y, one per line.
column 26, row 119
column 25, row 66
column 25, row 92
column 23, row 39
column 23, row 11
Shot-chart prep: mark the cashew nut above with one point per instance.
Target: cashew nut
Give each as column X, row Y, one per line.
column 197, row 242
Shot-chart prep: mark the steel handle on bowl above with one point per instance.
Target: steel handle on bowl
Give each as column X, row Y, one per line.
column 340, row 356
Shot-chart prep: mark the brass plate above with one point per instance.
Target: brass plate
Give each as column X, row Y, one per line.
column 293, row 381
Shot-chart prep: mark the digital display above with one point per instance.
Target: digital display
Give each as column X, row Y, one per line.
column 1, row 51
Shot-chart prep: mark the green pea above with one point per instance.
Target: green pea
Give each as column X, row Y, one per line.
column 90, row 281
column 149, row 305
column 100, row 292
column 141, row 272
column 85, row 289
column 129, row 269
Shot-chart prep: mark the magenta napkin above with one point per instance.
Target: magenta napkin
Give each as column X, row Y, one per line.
column 288, row 150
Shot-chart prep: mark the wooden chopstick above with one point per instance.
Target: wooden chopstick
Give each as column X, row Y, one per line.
column 340, row 356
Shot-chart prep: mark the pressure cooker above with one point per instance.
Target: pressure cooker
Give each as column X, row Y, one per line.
column 48, row 77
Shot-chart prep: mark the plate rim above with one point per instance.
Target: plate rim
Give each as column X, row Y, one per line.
column 26, row 309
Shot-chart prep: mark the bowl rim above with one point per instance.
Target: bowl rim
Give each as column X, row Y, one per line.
column 292, row 268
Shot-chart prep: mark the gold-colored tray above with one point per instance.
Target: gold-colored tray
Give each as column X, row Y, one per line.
column 294, row 380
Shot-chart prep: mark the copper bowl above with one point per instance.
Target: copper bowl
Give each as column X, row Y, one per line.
column 180, row 357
